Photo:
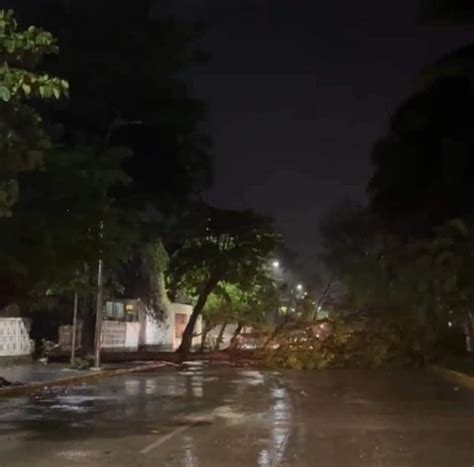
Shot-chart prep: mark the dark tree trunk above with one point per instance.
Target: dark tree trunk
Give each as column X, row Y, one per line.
column 220, row 336
column 207, row 330
column 238, row 330
column 187, row 340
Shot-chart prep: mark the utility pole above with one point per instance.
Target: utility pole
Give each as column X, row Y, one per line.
column 100, row 280
column 74, row 330
column 98, row 316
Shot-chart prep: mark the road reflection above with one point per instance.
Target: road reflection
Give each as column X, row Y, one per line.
column 194, row 416
column 280, row 414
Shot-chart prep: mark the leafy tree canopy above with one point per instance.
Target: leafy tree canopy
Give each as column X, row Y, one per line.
column 424, row 172
column 56, row 229
column 127, row 85
column 22, row 138
column 231, row 247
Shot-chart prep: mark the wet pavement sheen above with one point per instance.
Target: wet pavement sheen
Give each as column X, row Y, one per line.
column 200, row 416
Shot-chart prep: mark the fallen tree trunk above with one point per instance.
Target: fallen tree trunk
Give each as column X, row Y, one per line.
column 207, row 329
column 238, row 330
column 223, row 355
column 187, row 339
column 220, row 336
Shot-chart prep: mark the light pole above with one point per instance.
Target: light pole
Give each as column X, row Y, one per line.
column 98, row 311
column 74, row 328
column 277, row 275
column 100, row 268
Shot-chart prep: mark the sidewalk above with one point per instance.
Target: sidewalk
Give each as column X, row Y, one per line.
column 34, row 372
column 35, row 377
column 455, row 377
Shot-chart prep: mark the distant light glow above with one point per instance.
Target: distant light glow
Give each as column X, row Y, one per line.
column 276, row 264
column 299, row 287
column 450, row 324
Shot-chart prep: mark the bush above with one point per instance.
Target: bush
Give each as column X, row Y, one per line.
column 83, row 363
column 391, row 342
column 46, row 348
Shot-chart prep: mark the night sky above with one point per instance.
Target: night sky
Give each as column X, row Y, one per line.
column 299, row 90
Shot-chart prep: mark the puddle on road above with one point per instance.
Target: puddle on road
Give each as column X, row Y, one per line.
column 228, row 413
column 155, row 405
column 78, row 400
column 195, row 363
column 75, row 455
column 69, row 408
column 252, row 377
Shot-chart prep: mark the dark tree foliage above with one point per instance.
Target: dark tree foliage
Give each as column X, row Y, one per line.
column 424, row 166
column 125, row 64
column 453, row 11
column 23, row 141
column 55, row 230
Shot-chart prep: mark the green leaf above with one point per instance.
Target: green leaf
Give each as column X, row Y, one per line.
column 26, row 89
column 56, row 92
column 5, row 94
column 10, row 45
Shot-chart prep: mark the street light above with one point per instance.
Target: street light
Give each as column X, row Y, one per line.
column 276, row 264
column 100, row 280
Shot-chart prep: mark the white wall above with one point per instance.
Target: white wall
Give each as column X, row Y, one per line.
column 148, row 331
column 65, row 335
column 114, row 335
column 14, row 337
column 120, row 335
column 162, row 332
column 157, row 331
column 132, row 333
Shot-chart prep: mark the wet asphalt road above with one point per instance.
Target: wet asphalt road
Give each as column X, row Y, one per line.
column 228, row 417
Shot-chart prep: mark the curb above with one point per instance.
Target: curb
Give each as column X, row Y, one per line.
column 25, row 389
column 462, row 379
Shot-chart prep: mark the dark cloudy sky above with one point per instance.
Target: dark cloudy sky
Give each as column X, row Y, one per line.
column 298, row 91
